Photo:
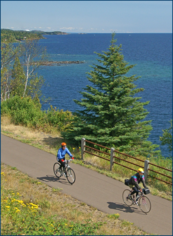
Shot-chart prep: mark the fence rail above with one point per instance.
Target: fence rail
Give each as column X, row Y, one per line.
column 97, row 144
column 124, row 166
column 97, row 155
column 170, row 183
column 124, row 154
column 160, row 167
column 161, row 174
column 97, row 150
column 128, row 161
column 112, row 161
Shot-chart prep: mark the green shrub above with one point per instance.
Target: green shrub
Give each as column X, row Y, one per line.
column 62, row 118
column 27, row 112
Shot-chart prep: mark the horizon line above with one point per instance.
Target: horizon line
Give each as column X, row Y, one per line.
column 88, row 32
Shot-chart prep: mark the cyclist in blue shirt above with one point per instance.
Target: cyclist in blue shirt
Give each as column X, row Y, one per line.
column 61, row 155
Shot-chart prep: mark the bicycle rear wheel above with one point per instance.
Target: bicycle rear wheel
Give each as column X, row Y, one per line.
column 56, row 169
column 144, row 204
column 71, row 177
column 125, row 197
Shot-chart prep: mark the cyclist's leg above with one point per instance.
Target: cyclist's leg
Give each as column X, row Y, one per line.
column 62, row 165
column 64, row 168
column 134, row 190
column 137, row 195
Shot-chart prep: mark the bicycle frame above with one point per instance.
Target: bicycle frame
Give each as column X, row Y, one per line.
column 139, row 192
column 67, row 163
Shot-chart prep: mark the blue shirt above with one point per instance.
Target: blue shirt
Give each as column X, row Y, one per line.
column 61, row 153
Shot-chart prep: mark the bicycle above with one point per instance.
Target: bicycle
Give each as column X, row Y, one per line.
column 143, row 201
column 71, row 177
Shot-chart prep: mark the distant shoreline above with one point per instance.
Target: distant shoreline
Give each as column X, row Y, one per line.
column 12, row 36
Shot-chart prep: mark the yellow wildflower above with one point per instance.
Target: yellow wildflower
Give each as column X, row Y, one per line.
column 2, row 173
column 33, row 205
column 19, row 201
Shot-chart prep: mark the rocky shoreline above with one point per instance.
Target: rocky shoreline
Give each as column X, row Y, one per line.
column 58, row 63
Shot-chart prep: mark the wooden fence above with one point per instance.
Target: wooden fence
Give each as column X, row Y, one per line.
column 111, row 157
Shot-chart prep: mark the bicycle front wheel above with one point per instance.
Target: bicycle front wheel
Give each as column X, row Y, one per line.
column 56, row 169
column 144, row 204
column 71, row 177
column 125, row 197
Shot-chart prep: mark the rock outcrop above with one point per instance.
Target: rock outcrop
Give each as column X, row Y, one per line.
column 58, row 63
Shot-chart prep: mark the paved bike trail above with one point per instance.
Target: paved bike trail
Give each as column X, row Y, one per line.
column 90, row 187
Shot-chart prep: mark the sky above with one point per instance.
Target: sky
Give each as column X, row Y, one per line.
column 88, row 16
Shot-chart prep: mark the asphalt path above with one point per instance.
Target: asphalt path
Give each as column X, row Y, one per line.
column 90, row 187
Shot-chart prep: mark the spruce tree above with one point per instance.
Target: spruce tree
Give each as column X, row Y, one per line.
column 111, row 115
column 166, row 139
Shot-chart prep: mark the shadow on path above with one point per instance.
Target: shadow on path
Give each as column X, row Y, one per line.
column 50, row 178
column 52, row 142
column 124, row 208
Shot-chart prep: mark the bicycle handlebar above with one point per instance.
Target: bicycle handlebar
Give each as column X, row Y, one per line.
column 69, row 160
column 143, row 191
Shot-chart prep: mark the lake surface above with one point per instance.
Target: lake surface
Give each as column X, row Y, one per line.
column 151, row 53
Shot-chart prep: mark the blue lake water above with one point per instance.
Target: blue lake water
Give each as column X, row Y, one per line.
column 151, row 53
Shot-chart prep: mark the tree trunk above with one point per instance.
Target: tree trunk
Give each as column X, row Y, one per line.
column 27, row 75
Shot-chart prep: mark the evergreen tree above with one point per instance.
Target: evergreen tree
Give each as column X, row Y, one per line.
column 18, row 79
column 166, row 139
column 111, row 115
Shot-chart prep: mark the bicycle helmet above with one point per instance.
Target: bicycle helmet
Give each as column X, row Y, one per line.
column 63, row 144
column 140, row 170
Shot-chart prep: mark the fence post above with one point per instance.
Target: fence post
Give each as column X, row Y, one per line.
column 111, row 158
column 146, row 166
column 82, row 147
